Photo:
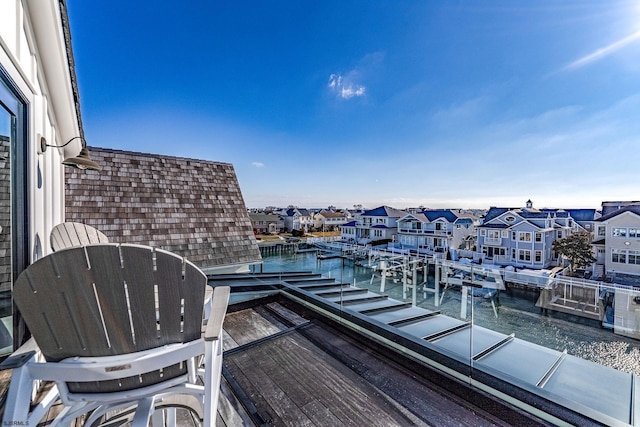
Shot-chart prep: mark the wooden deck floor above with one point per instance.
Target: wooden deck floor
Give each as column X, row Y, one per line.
column 308, row 373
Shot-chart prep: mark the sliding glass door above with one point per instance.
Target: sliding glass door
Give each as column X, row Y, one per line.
column 13, row 207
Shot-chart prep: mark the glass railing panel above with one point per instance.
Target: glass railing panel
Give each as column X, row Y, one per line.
column 497, row 322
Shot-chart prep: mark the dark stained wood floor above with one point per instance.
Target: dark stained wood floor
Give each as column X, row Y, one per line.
column 314, row 375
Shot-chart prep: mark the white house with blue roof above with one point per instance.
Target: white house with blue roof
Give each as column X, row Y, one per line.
column 296, row 219
column 374, row 224
column 436, row 230
column 523, row 237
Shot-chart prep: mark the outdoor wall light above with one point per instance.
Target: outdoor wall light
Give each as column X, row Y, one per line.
column 81, row 161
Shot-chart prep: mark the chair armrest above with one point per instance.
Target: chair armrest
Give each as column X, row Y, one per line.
column 218, row 311
column 21, row 356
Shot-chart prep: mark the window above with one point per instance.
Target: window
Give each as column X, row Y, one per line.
column 538, row 237
column 634, row 232
column 634, row 257
column 559, row 234
column 513, row 253
column 379, row 220
column 524, row 236
column 618, row 255
column 513, row 235
column 524, row 255
column 602, row 231
column 538, row 256
column 505, row 234
column 618, row 232
column 491, row 251
column 377, row 233
column 483, row 232
column 493, row 234
column 510, row 219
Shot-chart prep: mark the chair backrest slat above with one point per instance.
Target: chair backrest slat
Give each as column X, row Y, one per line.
column 109, row 299
column 71, row 234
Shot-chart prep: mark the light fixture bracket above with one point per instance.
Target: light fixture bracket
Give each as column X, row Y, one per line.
column 81, row 161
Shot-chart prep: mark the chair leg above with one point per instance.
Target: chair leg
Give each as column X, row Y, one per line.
column 157, row 418
column 17, row 407
column 211, row 379
column 143, row 412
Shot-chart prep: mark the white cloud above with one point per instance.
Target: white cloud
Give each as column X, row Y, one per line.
column 345, row 87
column 257, row 164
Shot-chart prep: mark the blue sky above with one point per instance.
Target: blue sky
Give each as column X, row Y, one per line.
column 464, row 104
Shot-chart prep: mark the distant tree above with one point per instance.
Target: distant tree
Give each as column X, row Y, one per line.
column 577, row 249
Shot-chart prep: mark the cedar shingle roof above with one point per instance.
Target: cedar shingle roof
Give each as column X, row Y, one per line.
column 191, row 207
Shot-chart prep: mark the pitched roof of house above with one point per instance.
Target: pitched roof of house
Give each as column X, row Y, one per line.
column 350, row 224
column 580, row 215
column 385, row 211
column 434, row 214
column 264, row 217
column 583, row 214
column 632, row 209
column 495, row 212
column 330, row 214
column 495, row 226
column 66, row 32
column 190, row 207
column 419, row 216
column 301, row 212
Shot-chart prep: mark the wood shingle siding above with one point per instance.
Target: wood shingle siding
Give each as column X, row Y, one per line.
column 191, row 207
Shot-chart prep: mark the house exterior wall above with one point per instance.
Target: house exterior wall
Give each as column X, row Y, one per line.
column 461, row 232
column 36, row 67
column 265, row 224
column 414, row 233
column 33, row 56
column 367, row 230
column 622, row 247
column 329, row 222
column 347, row 233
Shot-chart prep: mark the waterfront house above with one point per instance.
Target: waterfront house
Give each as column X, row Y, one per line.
column 617, row 243
column 436, row 230
column 296, row 219
column 264, row 223
column 523, row 237
column 373, row 225
column 327, row 220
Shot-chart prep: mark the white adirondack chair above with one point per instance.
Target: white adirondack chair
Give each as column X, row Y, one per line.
column 70, row 234
column 118, row 326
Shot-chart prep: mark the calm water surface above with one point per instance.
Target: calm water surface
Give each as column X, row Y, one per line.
column 516, row 312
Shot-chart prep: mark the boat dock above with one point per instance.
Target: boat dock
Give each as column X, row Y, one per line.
column 615, row 306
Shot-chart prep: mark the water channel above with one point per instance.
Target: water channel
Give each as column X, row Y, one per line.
column 516, row 312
